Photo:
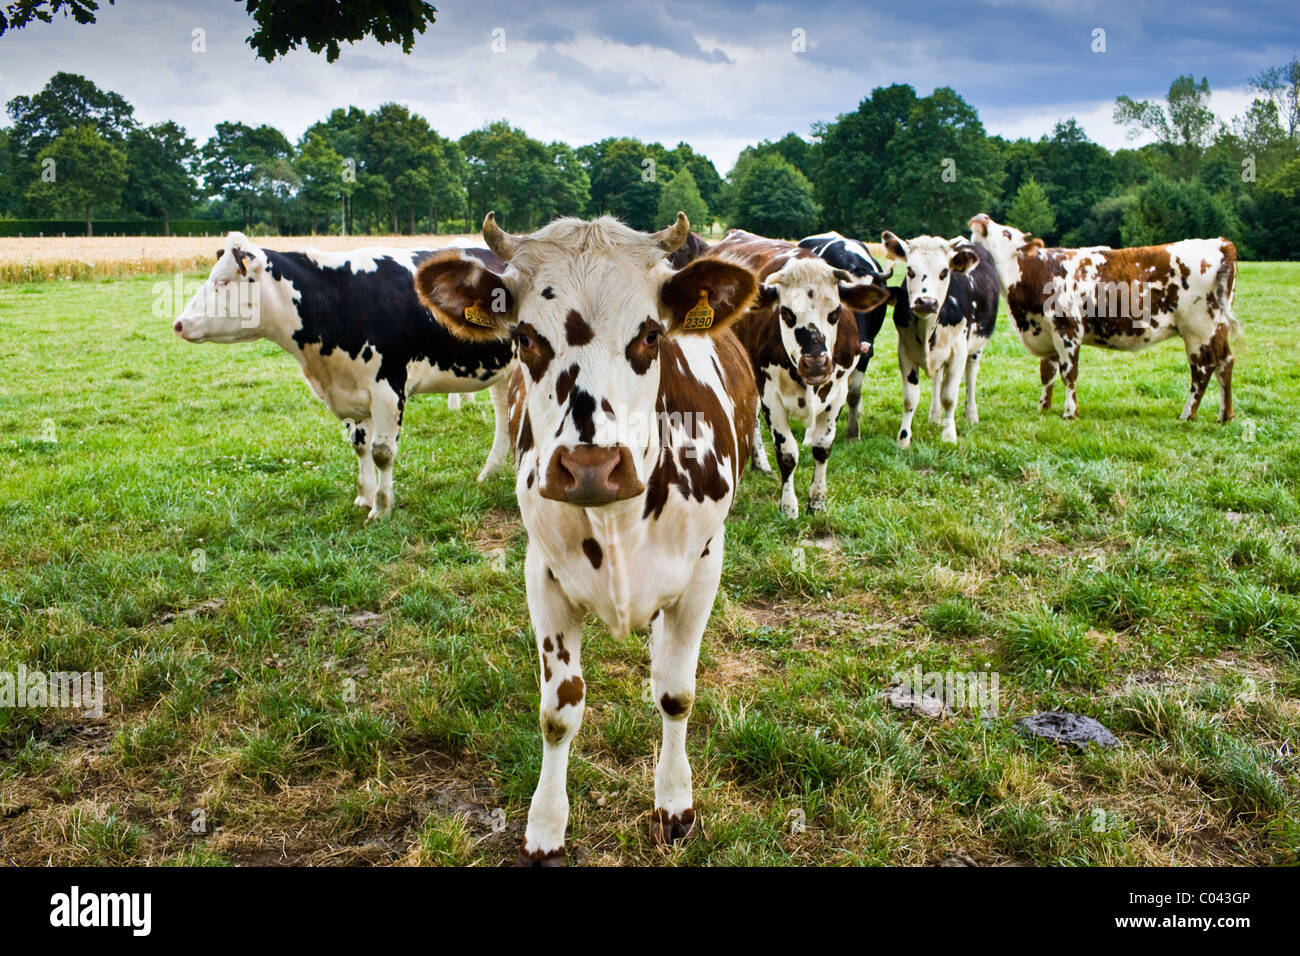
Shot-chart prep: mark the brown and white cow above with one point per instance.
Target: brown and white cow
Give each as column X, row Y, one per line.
column 1125, row 299
column 802, row 338
column 631, row 416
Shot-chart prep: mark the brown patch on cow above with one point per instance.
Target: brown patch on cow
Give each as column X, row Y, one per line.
column 564, row 384
column 576, row 329
column 554, row 730
column 547, row 646
column 606, row 407
column 675, row 706
column 538, row 357
column 546, row 670
column 701, row 476
column 570, row 691
column 560, row 651
column 591, row 548
column 667, row 829
column 556, row 857
column 639, row 354
column 703, row 554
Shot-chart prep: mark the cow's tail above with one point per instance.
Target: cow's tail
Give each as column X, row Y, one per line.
column 1226, row 286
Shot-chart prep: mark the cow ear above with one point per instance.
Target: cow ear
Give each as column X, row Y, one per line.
column 768, row 293
column 1031, row 247
column 862, row 296
column 964, row 258
column 220, row 253
column 472, row 302
column 707, row 296
column 895, row 248
column 241, row 260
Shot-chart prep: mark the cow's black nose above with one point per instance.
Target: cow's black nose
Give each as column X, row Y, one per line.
column 925, row 305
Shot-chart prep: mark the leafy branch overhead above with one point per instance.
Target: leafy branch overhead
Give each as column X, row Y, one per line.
column 281, row 26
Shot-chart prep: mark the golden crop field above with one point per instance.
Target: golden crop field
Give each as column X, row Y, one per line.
column 55, row 258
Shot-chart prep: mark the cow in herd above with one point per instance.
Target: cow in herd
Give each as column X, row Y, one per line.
column 802, row 339
column 631, row 408
column 361, row 337
column 944, row 313
column 1124, row 299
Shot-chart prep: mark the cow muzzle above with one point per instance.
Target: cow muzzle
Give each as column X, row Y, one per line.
column 925, row 306
column 815, row 369
column 591, row 475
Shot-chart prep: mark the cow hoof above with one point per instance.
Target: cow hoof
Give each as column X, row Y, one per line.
column 361, row 501
column 903, row 442
column 949, row 436
column 852, row 435
column 537, row 858
column 377, row 514
column 816, row 504
column 667, row 829
column 762, row 466
column 972, row 418
column 936, row 419
column 790, row 509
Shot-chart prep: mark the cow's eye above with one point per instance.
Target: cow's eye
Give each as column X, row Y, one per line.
column 910, row 273
column 221, row 283
column 524, row 341
column 651, row 338
column 943, row 274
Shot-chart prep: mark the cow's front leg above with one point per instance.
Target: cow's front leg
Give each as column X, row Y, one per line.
column 1223, row 372
column 855, row 402
column 386, row 420
column 911, row 396
column 951, row 372
column 936, row 390
column 359, row 438
column 501, row 437
column 787, row 454
column 758, row 454
column 972, row 377
column 1047, row 371
column 823, row 434
column 557, row 627
column 674, row 651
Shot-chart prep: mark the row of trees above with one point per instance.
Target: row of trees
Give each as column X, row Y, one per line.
column 906, row 162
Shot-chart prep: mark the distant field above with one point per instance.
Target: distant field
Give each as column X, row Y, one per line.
column 58, row 258
column 288, row 685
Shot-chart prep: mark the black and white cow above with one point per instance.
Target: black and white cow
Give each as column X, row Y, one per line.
column 364, row 342
column 803, row 342
column 854, row 258
column 944, row 311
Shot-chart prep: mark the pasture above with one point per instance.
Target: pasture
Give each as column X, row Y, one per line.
column 288, row 685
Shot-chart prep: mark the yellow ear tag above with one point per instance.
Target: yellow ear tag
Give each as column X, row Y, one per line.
column 701, row 314
column 478, row 317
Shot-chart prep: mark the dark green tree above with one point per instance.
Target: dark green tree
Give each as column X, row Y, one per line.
column 79, row 172
column 772, row 198
column 160, row 172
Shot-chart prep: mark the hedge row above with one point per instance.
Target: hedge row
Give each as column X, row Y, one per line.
column 117, row 227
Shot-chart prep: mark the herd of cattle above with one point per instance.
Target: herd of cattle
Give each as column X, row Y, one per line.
column 627, row 372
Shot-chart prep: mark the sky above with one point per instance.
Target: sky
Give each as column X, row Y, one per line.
column 719, row 75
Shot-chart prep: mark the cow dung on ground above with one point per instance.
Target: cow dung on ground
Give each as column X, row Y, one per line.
column 1065, row 728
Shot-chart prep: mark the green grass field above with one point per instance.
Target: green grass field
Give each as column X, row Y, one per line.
column 288, row 685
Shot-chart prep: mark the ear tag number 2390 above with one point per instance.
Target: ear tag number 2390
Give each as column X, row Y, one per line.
column 701, row 314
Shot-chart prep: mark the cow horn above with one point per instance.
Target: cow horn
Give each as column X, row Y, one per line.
column 670, row 239
column 498, row 240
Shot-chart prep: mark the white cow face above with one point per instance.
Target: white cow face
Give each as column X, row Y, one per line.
column 931, row 261
column 227, row 307
column 588, row 306
column 811, row 297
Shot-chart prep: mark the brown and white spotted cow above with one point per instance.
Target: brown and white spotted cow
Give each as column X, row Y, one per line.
column 802, row 338
column 1124, row 299
column 631, row 416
